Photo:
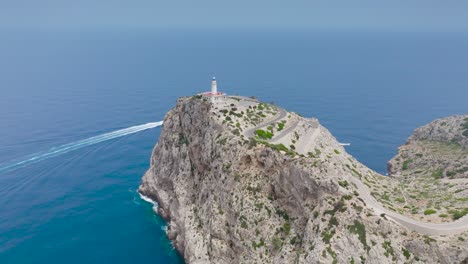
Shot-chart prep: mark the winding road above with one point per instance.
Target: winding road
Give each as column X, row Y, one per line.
column 251, row 131
column 431, row 229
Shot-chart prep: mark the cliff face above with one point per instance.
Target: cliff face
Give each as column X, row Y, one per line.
column 231, row 199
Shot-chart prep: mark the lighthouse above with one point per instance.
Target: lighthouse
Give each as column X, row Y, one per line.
column 214, row 95
column 214, row 87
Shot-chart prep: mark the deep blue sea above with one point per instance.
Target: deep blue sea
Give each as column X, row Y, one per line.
column 57, row 87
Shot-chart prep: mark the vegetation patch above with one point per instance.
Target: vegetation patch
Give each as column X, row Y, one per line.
column 406, row 253
column 280, row 126
column 465, row 127
column 327, row 236
column 276, row 243
column 259, row 244
column 183, row 140
column 438, row 174
column 388, row 249
column 428, row 240
column 406, row 164
column 359, row 229
column 343, row 183
column 283, row 214
column 278, row 147
column 457, row 214
column 244, row 224
column 429, row 211
column 262, row 134
column 465, row 133
column 333, row 221
column 332, row 254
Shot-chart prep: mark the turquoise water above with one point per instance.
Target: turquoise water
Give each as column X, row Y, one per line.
column 59, row 87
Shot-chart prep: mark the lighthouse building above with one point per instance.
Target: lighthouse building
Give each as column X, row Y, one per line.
column 214, row 95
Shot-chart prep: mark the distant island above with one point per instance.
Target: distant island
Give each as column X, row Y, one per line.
column 241, row 181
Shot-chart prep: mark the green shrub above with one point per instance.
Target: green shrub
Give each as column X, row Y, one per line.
column 359, row 229
column 388, row 248
column 332, row 254
column 406, row 253
column 406, row 164
column 252, row 143
column 336, row 151
column 333, row 221
column 318, row 152
column 293, row 240
column 183, row 140
column 259, row 244
column 276, row 242
column 263, row 134
column 457, row 214
column 343, row 183
column 465, row 133
column 428, row 240
column 400, row 199
column 279, row 147
column 283, row 214
column 451, row 173
column 438, row 174
column 429, row 211
column 465, row 125
column 327, row 236
column 280, row 126
column 244, row 225
column 287, row 228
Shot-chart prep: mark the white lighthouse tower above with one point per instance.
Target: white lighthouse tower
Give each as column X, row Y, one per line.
column 214, row 95
column 214, row 87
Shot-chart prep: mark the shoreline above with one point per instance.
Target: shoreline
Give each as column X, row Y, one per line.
column 149, row 200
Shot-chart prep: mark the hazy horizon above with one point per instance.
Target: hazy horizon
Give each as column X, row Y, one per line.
column 339, row 15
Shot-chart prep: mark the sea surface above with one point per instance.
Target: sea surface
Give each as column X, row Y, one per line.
column 58, row 87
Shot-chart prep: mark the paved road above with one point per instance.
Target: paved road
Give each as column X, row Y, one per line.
column 302, row 148
column 282, row 114
column 285, row 132
column 451, row 228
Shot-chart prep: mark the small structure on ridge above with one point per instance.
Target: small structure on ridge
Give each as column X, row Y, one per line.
column 214, row 95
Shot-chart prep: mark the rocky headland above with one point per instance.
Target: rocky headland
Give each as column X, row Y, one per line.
column 432, row 170
column 239, row 181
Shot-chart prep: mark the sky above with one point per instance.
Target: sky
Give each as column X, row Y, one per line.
column 392, row 15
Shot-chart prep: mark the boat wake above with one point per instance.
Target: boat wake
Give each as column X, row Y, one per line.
column 56, row 151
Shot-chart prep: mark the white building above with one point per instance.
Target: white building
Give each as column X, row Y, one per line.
column 214, row 95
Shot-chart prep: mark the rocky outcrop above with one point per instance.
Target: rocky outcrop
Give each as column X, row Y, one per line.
column 440, row 147
column 231, row 199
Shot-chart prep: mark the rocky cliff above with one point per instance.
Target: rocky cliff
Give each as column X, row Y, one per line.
column 440, row 147
column 231, row 198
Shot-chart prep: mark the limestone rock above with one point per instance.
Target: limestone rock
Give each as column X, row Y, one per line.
column 231, row 199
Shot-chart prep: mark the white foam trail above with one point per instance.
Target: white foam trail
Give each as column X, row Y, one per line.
column 56, row 151
column 147, row 199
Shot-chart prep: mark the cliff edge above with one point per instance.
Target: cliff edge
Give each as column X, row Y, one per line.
column 240, row 181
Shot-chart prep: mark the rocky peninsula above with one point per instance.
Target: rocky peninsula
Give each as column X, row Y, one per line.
column 239, row 181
